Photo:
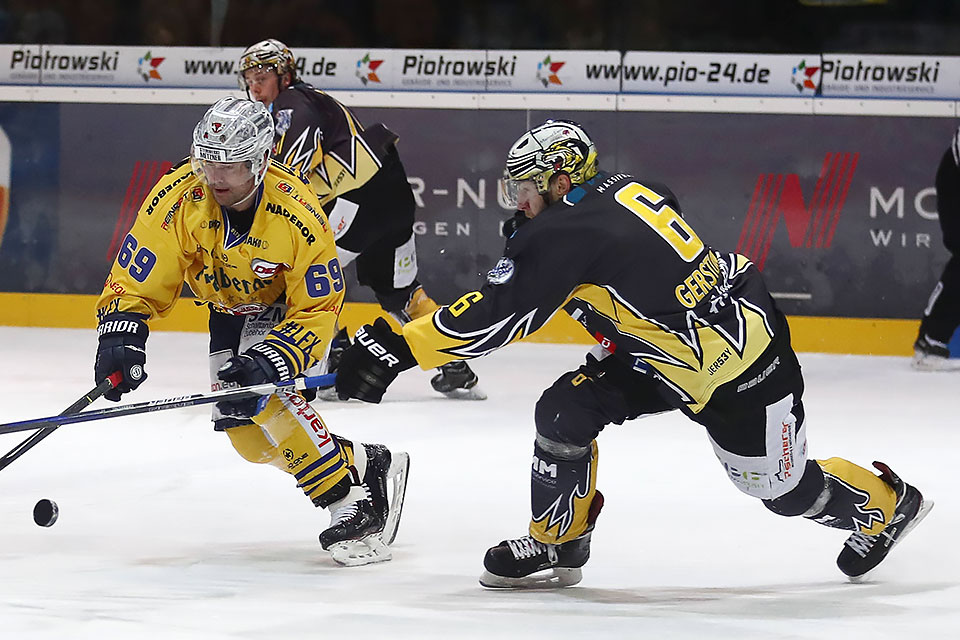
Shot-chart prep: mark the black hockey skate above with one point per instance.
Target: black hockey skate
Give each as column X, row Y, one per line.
column 365, row 522
column 526, row 563
column 931, row 355
column 861, row 552
column 384, row 468
column 457, row 380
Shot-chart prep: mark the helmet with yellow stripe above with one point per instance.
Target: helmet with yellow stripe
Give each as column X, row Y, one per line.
column 555, row 146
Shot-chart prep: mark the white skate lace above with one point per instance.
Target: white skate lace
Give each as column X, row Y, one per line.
column 861, row 543
column 527, row 547
column 347, row 511
column 343, row 514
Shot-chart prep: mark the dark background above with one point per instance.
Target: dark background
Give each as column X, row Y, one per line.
column 755, row 26
column 70, row 181
column 75, row 162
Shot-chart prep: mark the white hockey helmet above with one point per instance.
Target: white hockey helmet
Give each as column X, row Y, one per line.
column 267, row 54
column 553, row 147
column 233, row 130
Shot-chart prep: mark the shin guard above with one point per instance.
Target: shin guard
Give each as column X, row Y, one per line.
column 853, row 498
column 561, row 492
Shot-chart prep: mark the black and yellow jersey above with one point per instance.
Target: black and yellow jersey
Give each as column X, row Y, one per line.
column 617, row 256
column 321, row 138
column 182, row 235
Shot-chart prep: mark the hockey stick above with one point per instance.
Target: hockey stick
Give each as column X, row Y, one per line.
column 84, row 402
column 179, row 402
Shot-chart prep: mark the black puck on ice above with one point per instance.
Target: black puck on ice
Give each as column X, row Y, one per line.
column 45, row 512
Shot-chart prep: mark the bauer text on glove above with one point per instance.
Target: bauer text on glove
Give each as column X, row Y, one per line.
column 372, row 362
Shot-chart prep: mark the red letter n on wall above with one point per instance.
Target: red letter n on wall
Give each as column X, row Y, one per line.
column 779, row 195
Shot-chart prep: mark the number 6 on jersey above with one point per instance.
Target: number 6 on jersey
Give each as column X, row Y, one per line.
column 665, row 221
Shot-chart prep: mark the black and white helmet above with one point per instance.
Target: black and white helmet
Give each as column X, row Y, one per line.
column 554, row 146
column 234, row 130
column 267, row 54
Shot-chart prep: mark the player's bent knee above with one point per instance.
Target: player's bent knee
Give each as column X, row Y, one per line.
column 559, row 418
column 799, row 499
column 252, row 444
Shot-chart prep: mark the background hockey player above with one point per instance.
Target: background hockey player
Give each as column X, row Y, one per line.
column 249, row 238
column 679, row 325
column 361, row 183
column 942, row 315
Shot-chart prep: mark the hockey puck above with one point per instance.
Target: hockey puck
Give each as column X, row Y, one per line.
column 45, row 512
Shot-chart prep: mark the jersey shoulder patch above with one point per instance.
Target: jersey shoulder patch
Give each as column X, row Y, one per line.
column 502, row 272
column 283, row 119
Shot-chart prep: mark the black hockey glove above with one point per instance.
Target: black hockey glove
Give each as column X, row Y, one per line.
column 123, row 340
column 259, row 364
column 372, row 362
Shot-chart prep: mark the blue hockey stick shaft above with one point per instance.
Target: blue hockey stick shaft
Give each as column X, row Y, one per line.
column 179, row 402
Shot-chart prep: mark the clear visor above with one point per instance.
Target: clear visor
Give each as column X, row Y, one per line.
column 514, row 192
column 222, row 174
column 257, row 75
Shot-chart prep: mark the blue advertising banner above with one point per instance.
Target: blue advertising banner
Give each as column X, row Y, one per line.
column 31, row 226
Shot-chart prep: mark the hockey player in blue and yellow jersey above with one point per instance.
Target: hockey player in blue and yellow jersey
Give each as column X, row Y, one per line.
column 679, row 325
column 248, row 236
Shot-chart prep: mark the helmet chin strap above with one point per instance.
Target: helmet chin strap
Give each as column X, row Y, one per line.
column 244, row 204
column 249, row 199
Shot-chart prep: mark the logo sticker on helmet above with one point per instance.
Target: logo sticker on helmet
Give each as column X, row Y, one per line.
column 214, row 155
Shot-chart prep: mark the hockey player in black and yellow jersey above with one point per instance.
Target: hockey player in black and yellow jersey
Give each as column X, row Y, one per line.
column 249, row 238
column 360, row 181
column 679, row 325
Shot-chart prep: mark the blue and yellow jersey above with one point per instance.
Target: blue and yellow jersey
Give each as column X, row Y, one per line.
column 182, row 235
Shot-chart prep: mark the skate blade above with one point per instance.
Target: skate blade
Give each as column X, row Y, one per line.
column 555, row 578
column 473, row 393
column 925, row 508
column 356, row 553
column 921, row 363
column 397, row 474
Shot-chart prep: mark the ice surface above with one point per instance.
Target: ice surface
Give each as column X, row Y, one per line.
column 164, row 532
